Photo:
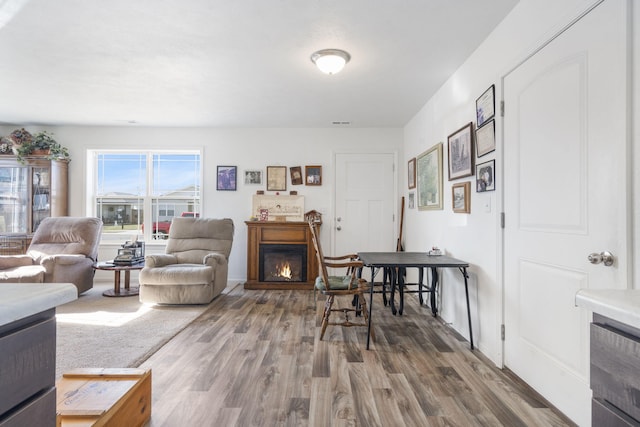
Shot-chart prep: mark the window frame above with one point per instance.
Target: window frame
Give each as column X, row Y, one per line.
column 91, row 205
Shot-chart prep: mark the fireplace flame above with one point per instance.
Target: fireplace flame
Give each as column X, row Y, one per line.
column 284, row 270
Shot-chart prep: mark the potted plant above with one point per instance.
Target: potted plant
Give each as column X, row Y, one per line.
column 42, row 144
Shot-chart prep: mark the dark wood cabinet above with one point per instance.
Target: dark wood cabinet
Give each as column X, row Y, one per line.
column 615, row 373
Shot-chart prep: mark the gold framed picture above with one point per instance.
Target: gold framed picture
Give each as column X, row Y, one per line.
column 461, row 197
column 429, row 178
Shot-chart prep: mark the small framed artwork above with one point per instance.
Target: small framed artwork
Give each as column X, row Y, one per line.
column 276, row 178
column 461, row 152
column 486, row 176
column 429, row 178
column 253, row 177
column 461, row 197
column 296, row 175
column 486, row 138
column 411, row 170
column 313, row 175
column 485, row 106
column 227, row 180
column 412, row 200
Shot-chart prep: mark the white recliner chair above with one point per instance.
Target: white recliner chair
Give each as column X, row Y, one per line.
column 62, row 250
column 193, row 269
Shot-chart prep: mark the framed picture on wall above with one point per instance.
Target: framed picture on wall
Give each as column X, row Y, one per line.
column 461, row 197
column 296, row 175
column 276, row 178
column 486, row 176
column 429, row 178
column 485, row 106
column 226, row 178
column 313, row 175
column 253, row 177
column 461, row 152
column 411, row 171
column 486, row 138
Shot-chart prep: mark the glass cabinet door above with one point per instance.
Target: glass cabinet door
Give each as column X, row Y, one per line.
column 13, row 199
column 41, row 203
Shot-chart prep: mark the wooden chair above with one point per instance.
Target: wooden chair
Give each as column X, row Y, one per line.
column 346, row 285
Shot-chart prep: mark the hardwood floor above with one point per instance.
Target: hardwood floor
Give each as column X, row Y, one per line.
column 254, row 359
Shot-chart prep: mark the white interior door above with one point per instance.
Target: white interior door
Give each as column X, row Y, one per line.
column 566, row 186
column 365, row 203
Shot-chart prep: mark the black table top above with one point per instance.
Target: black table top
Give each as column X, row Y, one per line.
column 109, row 265
column 409, row 259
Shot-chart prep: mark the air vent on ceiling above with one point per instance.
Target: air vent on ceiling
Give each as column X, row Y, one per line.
column 340, row 123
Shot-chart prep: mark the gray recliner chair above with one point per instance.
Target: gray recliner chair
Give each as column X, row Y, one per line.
column 194, row 267
column 62, row 250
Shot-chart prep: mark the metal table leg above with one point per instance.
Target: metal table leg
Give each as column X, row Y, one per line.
column 420, row 284
column 463, row 270
column 370, row 306
column 400, row 272
column 434, row 289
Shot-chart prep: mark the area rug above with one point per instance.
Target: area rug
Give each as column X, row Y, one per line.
column 95, row 331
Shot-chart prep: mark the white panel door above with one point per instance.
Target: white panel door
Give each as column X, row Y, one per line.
column 365, row 203
column 565, row 197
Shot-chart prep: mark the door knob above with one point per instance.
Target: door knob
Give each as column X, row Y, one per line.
column 605, row 257
column 338, row 228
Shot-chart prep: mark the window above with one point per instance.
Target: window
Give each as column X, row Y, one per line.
column 127, row 186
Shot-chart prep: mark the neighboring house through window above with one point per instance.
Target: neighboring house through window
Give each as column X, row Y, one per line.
column 140, row 192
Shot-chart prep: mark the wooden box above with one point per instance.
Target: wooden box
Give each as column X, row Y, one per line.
column 104, row 397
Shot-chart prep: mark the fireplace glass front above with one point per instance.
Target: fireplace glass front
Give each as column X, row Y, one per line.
column 283, row 263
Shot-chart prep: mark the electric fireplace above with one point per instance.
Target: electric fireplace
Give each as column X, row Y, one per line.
column 283, row 263
column 280, row 255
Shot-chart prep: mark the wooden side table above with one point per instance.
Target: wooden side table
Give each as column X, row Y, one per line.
column 117, row 290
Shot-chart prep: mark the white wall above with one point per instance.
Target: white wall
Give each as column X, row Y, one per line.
column 635, row 143
column 244, row 148
column 476, row 237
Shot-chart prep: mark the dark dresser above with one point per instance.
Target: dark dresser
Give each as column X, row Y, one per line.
column 28, row 351
column 614, row 355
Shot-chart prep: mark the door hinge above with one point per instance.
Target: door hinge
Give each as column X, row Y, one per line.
column 501, row 108
column 502, row 332
column 501, row 219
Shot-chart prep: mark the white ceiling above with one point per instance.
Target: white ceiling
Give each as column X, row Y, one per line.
column 231, row 63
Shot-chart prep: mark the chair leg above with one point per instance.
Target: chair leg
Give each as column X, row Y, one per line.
column 363, row 306
column 326, row 314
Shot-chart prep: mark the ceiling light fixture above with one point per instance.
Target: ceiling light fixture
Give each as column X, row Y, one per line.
column 330, row 61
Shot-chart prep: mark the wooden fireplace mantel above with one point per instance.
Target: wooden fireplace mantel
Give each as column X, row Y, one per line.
column 275, row 232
